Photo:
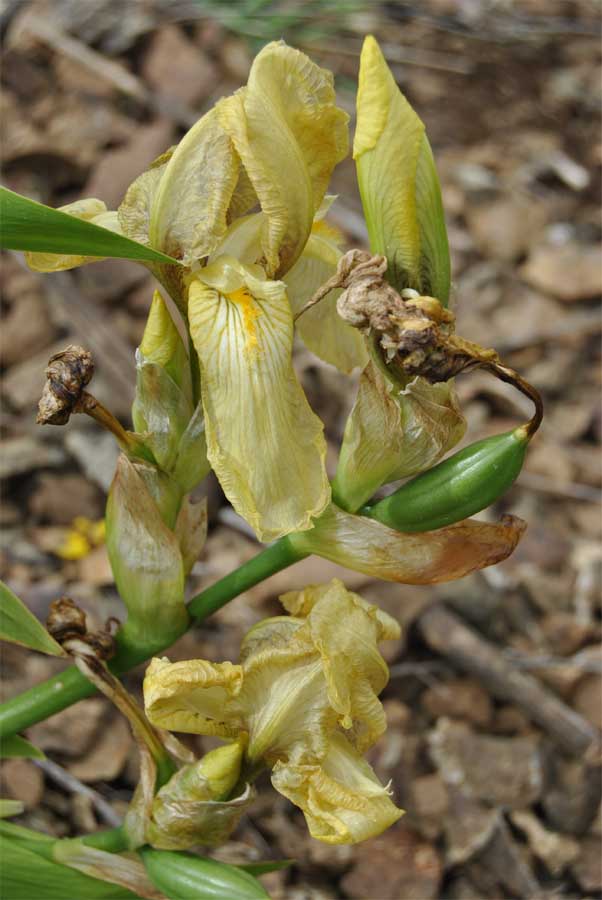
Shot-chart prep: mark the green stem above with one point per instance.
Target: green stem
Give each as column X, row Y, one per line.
column 113, row 840
column 60, row 691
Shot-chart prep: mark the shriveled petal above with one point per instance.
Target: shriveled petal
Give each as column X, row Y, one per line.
column 398, row 182
column 289, row 135
column 430, row 557
column 342, row 799
column 190, row 206
column 300, row 603
column 194, row 696
column 321, row 328
column 393, row 432
column 262, row 436
column 88, row 210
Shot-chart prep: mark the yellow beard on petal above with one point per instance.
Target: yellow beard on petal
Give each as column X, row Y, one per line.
column 250, row 312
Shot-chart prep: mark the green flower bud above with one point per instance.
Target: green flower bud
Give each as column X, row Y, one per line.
column 145, row 557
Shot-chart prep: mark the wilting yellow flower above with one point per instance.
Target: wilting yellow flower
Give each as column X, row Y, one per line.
column 273, row 144
column 305, row 698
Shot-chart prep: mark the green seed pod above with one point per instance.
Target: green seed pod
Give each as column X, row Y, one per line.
column 458, row 487
column 181, row 876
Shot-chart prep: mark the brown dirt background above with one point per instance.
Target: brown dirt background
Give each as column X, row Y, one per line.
column 502, row 800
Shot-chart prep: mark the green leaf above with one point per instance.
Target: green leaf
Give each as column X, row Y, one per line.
column 26, row 875
column 181, row 876
column 10, row 808
column 14, row 745
column 19, row 626
column 27, row 225
column 398, row 182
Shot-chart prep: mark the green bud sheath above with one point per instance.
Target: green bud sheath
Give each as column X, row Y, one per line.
column 458, row 487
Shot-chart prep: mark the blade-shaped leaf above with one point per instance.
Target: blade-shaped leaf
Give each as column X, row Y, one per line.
column 398, row 182
column 27, row 225
column 181, row 876
column 26, row 875
column 19, row 626
column 14, row 745
column 10, row 808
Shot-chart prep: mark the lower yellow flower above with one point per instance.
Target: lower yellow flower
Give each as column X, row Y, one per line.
column 304, row 698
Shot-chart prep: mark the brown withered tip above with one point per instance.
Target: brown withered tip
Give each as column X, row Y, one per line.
column 66, row 623
column 65, row 620
column 67, row 374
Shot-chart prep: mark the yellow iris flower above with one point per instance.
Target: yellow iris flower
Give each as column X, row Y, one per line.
column 272, row 145
column 304, row 699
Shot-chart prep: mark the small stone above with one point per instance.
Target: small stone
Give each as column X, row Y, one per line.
column 60, row 498
column 587, row 699
column 459, row 698
column 555, row 850
column 95, row 452
column 22, row 780
column 570, row 803
column 571, row 272
column 588, row 868
column 501, row 771
column 176, row 69
column 26, row 329
column 108, row 756
column 397, row 864
column 429, row 804
column 22, row 454
column 469, row 826
column 80, row 723
column 117, row 168
column 505, row 229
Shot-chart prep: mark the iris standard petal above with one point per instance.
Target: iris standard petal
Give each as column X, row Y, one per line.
column 398, row 182
column 341, row 798
column 262, row 436
column 194, row 696
column 189, row 211
column 431, row 557
column 289, row 135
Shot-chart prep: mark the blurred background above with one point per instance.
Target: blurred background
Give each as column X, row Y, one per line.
column 494, row 699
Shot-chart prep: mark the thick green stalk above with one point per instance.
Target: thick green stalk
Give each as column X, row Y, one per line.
column 49, row 697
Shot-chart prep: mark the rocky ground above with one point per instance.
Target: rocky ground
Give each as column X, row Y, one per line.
column 494, row 700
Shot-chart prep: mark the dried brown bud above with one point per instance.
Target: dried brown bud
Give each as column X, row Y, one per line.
column 414, row 333
column 65, row 620
column 67, row 624
column 67, row 375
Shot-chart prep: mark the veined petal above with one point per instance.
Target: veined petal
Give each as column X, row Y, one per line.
column 342, row 800
column 393, row 432
column 88, row 210
column 398, row 182
column 262, row 436
column 194, row 696
column 285, row 704
column 190, row 206
column 289, row 135
column 135, row 208
column 430, row 557
column 321, row 328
